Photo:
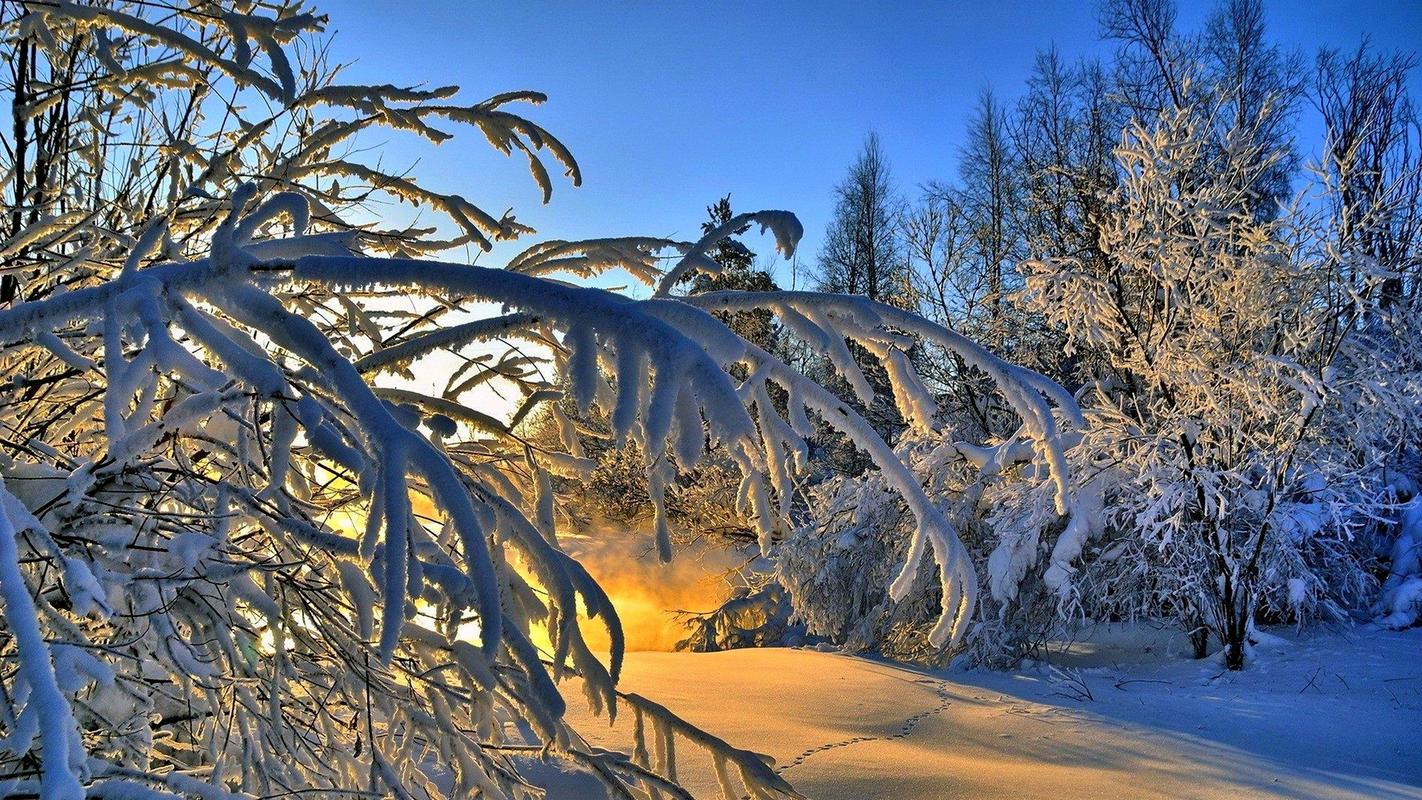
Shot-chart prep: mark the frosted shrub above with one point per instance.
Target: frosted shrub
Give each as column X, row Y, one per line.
column 752, row 617
column 1002, row 503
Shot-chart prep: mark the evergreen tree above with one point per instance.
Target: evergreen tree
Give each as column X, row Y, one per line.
column 738, row 272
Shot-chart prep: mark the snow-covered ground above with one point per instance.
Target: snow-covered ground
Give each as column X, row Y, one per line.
column 1318, row 715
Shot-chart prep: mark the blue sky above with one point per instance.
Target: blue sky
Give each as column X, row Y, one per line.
column 669, row 105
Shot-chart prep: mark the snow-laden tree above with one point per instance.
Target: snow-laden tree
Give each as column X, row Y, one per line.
column 701, row 501
column 239, row 555
column 1242, row 410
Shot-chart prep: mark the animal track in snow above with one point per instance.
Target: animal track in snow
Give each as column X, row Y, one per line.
column 944, row 699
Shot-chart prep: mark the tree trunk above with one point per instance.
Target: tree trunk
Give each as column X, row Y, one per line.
column 1235, row 615
column 9, row 283
column 1234, row 655
column 1199, row 638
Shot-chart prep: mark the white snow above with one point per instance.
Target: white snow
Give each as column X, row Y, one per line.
column 1318, row 715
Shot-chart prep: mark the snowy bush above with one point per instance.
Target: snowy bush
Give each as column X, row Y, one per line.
column 1400, row 602
column 239, row 555
column 1002, row 502
column 752, row 617
column 836, row 569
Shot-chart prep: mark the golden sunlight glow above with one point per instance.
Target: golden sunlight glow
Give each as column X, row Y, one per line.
column 645, row 592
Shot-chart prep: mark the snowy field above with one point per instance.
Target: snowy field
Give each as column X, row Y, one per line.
column 1322, row 715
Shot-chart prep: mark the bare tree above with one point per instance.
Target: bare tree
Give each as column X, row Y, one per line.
column 1373, row 158
column 1153, row 64
column 862, row 253
column 989, row 195
column 1064, row 132
column 1259, row 86
column 937, row 236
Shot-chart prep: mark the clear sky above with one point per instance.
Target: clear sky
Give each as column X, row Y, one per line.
column 669, row 105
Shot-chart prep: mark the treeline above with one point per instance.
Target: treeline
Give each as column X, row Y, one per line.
column 1236, row 317
column 1039, row 178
